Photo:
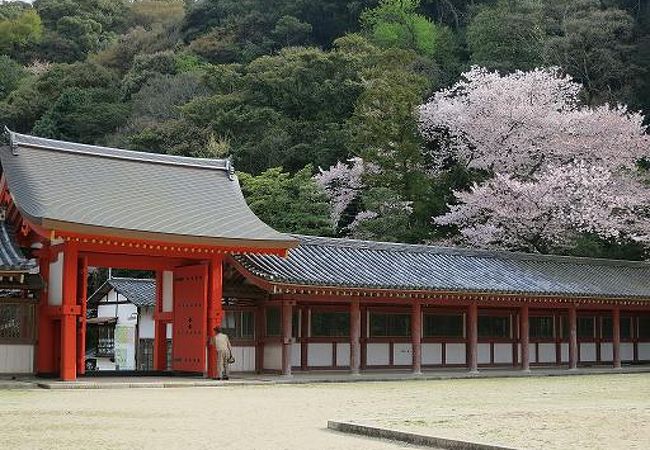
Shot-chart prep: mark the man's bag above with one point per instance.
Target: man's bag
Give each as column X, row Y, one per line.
column 231, row 359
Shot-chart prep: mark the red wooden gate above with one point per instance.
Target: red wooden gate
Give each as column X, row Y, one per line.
column 190, row 318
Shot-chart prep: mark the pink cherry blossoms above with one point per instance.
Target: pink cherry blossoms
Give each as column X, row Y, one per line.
column 558, row 168
column 342, row 183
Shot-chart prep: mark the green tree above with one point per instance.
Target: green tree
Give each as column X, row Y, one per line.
column 18, row 30
column 303, row 204
column 595, row 46
column 508, row 35
column 82, row 115
column 26, row 104
column 10, row 75
column 396, row 23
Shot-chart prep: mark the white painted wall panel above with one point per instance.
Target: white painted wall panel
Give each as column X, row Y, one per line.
column 484, row 353
column 55, row 284
column 431, row 353
column 455, row 353
column 588, row 351
column 644, row 351
column 402, row 354
column 532, row 354
column 319, row 354
column 146, row 326
column 503, row 353
column 295, row 354
column 547, row 353
column 343, row 354
column 244, row 359
column 606, row 351
column 168, row 290
column 273, row 356
column 564, row 352
column 377, row 354
column 627, row 351
column 16, row 358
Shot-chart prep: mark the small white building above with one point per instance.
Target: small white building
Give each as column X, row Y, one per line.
column 121, row 325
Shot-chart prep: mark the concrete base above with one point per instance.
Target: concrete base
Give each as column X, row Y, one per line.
column 410, row 438
column 116, row 382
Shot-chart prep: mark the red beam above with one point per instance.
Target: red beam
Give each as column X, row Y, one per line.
column 135, row 262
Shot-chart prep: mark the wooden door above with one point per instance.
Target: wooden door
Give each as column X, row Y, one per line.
column 190, row 318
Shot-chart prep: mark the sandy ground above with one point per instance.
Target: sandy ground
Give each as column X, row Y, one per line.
column 603, row 411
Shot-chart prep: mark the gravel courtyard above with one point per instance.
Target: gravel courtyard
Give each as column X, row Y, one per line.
column 602, row 411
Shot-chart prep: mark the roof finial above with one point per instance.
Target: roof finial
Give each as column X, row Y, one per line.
column 12, row 143
column 230, row 168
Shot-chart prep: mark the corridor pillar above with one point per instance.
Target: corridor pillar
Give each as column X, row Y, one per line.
column 287, row 344
column 355, row 337
column 472, row 338
column 524, row 338
column 416, row 337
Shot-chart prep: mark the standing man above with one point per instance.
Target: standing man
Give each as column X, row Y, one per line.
column 224, row 353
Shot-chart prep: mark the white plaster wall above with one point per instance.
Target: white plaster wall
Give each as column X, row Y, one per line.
column 588, row 351
column 502, row 353
column 16, row 358
column 606, row 351
column 273, row 356
column 147, row 324
column 402, row 354
column 295, row 354
column 455, row 353
column 431, row 353
column 342, row 354
column 55, row 282
column 484, row 353
column 547, row 353
column 244, row 359
column 105, row 364
column 564, row 352
column 644, row 351
column 377, row 354
column 532, row 354
column 627, row 351
column 167, row 291
column 319, row 354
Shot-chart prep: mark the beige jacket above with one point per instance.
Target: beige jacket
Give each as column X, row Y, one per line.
column 221, row 342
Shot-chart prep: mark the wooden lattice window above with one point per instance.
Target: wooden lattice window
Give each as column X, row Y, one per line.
column 17, row 322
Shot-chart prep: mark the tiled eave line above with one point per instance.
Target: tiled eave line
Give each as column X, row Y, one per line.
column 280, row 288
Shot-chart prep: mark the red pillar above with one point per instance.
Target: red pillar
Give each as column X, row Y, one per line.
column 160, row 329
column 616, row 337
column 68, row 370
column 524, row 338
column 416, row 337
column 215, row 310
column 472, row 338
column 82, row 288
column 573, row 338
column 355, row 337
column 287, row 312
column 46, row 339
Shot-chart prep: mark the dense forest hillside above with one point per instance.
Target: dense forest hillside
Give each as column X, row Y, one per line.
column 515, row 124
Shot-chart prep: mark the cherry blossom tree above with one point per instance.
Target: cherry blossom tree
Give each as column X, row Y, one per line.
column 520, row 122
column 556, row 168
column 342, row 182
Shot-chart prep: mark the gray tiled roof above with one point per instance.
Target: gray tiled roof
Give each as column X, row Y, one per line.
column 376, row 265
column 139, row 291
column 99, row 190
column 11, row 258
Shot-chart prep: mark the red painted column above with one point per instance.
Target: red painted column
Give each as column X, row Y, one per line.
column 82, row 288
column 287, row 311
column 524, row 338
column 472, row 338
column 355, row 337
column 416, row 337
column 68, row 370
column 160, row 329
column 46, row 339
column 616, row 337
column 573, row 338
column 215, row 310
